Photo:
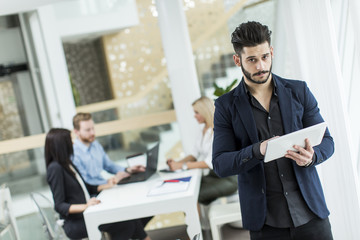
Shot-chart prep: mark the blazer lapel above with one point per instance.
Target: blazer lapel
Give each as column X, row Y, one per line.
column 285, row 103
column 244, row 112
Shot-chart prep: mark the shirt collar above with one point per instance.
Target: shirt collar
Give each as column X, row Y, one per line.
column 81, row 145
column 249, row 93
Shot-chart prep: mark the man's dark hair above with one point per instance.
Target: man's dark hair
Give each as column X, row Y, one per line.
column 250, row 34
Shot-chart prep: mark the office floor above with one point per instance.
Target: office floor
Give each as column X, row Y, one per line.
column 30, row 228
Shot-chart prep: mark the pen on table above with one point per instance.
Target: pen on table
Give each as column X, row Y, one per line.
column 171, row 180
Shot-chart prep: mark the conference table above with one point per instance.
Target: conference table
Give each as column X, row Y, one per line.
column 131, row 201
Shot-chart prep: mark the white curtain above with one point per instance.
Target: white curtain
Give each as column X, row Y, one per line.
column 306, row 29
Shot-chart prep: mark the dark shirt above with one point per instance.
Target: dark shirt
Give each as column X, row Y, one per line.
column 286, row 206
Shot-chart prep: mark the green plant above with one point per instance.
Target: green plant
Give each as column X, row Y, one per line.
column 220, row 91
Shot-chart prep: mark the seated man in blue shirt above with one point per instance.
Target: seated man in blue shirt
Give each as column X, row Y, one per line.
column 90, row 157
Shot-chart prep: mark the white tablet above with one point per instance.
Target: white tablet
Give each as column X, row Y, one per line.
column 277, row 147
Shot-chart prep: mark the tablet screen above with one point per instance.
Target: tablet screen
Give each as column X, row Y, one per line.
column 277, row 147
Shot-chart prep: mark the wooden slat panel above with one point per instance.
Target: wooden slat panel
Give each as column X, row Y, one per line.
column 143, row 121
column 102, row 129
column 20, row 144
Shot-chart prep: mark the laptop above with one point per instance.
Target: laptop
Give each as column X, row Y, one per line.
column 151, row 167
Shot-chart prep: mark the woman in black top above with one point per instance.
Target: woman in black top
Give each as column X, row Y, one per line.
column 72, row 195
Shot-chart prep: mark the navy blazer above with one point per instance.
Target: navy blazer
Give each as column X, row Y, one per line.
column 235, row 133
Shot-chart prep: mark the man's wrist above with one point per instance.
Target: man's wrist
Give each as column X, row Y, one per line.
column 311, row 162
column 308, row 164
column 185, row 166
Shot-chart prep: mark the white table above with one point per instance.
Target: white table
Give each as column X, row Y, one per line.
column 130, row 201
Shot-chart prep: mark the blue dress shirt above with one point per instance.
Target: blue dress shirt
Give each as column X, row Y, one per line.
column 91, row 161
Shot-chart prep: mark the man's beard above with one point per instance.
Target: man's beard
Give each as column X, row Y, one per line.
column 87, row 139
column 249, row 77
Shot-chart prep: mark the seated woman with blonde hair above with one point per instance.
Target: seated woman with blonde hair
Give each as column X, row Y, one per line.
column 212, row 187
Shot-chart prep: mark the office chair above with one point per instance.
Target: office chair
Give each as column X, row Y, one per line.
column 7, row 232
column 196, row 237
column 8, row 227
column 50, row 219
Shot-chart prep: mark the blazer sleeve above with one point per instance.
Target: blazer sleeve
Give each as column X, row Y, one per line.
column 55, row 178
column 312, row 116
column 228, row 159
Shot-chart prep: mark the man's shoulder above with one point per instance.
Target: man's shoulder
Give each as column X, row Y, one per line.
column 289, row 83
column 226, row 98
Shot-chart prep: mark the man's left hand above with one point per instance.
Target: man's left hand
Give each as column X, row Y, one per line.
column 304, row 155
column 135, row 169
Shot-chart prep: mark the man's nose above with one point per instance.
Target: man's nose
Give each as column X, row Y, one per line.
column 260, row 65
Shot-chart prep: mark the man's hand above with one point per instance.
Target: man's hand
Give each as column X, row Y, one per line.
column 135, row 169
column 121, row 175
column 304, row 155
column 112, row 181
column 263, row 145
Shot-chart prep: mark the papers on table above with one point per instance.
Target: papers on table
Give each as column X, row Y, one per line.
column 170, row 186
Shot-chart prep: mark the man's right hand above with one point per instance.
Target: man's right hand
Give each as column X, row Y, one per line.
column 121, row 175
column 263, row 145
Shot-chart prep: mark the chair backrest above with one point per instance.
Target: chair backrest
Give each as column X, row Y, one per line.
column 7, row 232
column 8, row 226
column 196, row 237
column 49, row 217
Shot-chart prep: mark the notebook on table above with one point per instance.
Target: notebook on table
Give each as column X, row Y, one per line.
column 151, row 167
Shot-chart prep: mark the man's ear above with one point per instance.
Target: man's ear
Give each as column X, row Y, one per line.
column 76, row 132
column 237, row 60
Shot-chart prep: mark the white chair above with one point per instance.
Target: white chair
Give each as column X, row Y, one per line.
column 221, row 214
column 50, row 219
column 8, row 226
column 196, row 237
column 7, row 232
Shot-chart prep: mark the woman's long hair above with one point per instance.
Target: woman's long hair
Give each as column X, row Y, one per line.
column 205, row 106
column 59, row 148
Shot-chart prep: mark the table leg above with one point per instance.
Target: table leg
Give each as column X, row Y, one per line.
column 93, row 231
column 193, row 222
